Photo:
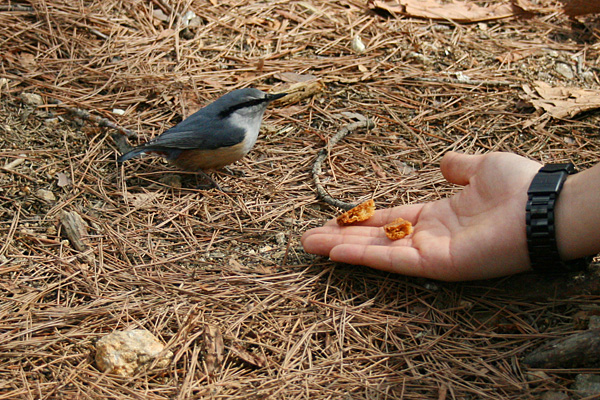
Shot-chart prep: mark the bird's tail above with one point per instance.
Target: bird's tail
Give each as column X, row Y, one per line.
column 131, row 154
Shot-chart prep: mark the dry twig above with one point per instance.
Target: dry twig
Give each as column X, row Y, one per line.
column 316, row 169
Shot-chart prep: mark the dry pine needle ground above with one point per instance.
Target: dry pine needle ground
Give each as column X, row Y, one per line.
column 185, row 263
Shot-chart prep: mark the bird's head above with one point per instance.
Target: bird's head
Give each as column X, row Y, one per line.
column 248, row 102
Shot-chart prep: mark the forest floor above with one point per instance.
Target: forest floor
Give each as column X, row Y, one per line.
column 188, row 264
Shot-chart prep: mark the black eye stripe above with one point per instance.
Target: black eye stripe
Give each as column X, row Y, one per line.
column 249, row 103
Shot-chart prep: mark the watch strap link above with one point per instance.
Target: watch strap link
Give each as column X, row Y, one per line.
column 540, row 219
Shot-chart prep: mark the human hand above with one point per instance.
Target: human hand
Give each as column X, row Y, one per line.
column 477, row 233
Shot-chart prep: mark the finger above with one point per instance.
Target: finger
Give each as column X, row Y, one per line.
column 367, row 231
column 322, row 243
column 458, row 168
column 384, row 216
column 403, row 260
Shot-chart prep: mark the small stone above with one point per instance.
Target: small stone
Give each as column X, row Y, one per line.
column 588, row 77
column 463, row 78
column 565, row 70
column 125, row 353
column 118, row 111
column 32, row 99
column 554, row 396
column 357, row 45
column 594, row 322
column 187, row 17
column 587, row 385
column 52, row 122
column 45, row 195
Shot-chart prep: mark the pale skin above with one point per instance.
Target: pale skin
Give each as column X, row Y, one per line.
column 477, row 233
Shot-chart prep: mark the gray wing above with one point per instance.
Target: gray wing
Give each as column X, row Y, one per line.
column 199, row 131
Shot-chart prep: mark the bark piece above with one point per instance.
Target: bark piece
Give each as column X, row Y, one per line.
column 580, row 350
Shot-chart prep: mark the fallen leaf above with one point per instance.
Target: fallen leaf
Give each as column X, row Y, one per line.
column 292, row 77
column 165, row 33
column 516, row 55
column 581, row 7
column 562, row 101
column 457, row 11
column 143, row 201
column 378, row 170
column 27, row 60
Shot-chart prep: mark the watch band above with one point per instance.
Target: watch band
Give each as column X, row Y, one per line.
column 540, row 218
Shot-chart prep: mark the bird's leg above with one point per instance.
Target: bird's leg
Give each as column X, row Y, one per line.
column 234, row 172
column 207, row 177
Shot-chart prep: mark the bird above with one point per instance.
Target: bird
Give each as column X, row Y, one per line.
column 217, row 135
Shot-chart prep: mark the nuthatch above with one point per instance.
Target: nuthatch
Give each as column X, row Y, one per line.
column 217, row 135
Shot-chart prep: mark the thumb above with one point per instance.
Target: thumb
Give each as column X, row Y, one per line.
column 458, row 168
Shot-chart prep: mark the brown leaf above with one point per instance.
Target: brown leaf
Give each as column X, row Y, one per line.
column 378, row 170
column 581, row 7
column 27, row 60
column 165, row 33
column 516, row 55
column 457, row 11
column 562, row 101
column 292, row 77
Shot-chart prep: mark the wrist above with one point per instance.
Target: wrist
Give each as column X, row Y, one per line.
column 577, row 215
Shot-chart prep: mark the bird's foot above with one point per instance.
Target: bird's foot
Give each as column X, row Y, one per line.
column 211, row 183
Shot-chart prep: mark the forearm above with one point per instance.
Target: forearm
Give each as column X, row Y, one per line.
column 578, row 215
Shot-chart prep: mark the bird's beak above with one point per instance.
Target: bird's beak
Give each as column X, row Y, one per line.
column 272, row 97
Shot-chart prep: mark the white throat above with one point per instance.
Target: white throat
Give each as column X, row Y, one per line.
column 250, row 123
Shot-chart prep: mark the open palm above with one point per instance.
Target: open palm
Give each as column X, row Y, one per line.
column 477, row 233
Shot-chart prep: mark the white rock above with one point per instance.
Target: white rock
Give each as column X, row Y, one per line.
column 357, row 44
column 565, row 70
column 126, row 352
column 45, row 195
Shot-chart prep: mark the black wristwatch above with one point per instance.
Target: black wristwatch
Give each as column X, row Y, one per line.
column 541, row 234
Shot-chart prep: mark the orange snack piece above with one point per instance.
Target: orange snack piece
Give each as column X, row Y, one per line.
column 361, row 212
column 398, row 229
